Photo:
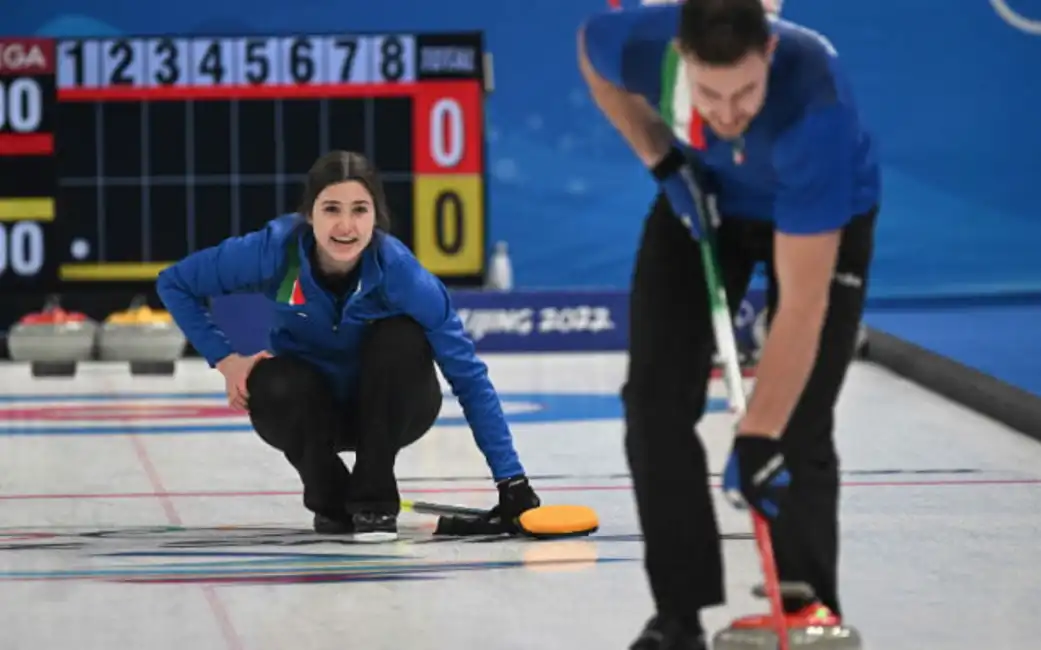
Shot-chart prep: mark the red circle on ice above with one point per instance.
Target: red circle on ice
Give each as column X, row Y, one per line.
column 118, row 412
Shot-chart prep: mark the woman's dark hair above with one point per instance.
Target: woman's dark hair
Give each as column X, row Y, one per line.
column 338, row 167
column 722, row 32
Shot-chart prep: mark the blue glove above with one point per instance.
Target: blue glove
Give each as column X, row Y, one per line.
column 676, row 177
column 756, row 475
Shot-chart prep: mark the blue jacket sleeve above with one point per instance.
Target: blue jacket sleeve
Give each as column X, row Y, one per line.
column 424, row 298
column 815, row 165
column 626, row 48
column 238, row 264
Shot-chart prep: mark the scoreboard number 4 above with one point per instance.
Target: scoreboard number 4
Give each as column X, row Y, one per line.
column 21, row 105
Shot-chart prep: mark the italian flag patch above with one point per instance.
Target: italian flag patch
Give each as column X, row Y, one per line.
column 289, row 291
column 675, row 106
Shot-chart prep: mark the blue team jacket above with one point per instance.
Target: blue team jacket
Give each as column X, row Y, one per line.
column 274, row 261
column 806, row 162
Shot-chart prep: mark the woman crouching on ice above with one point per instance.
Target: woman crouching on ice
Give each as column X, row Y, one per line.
column 359, row 324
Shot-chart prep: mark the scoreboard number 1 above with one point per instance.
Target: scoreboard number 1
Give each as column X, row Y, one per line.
column 21, row 105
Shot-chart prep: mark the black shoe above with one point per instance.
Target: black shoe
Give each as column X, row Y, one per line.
column 329, row 526
column 375, row 527
column 666, row 634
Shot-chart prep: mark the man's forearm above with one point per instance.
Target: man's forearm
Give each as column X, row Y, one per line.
column 782, row 372
column 642, row 127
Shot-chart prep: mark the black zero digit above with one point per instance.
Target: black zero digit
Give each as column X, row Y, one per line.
column 124, row 55
column 449, row 206
column 168, row 72
column 392, row 66
column 258, row 67
column 301, row 63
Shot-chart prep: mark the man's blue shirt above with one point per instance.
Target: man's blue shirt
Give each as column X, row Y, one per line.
column 806, row 161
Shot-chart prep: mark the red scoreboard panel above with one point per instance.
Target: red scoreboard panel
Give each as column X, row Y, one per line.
column 119, row 156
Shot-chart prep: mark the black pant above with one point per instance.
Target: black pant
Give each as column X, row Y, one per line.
column 293, row 409
column 671, row 343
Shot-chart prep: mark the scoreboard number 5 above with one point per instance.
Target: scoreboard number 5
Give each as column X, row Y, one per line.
column 21, row 105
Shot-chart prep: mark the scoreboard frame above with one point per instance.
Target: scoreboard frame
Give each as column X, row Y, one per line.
column 421, row 91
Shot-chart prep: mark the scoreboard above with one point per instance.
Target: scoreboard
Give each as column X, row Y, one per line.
column 119, row 156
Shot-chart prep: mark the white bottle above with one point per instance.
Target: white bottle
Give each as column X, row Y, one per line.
column 500, row 275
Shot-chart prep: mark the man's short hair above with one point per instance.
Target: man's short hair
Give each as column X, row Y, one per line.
column 722, row 32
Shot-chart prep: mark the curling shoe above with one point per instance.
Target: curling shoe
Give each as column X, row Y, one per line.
column 324, row 525
column 667, row 634
column 375, row 527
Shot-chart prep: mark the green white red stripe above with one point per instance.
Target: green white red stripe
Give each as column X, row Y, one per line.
column 675, row 106
column 289, row 291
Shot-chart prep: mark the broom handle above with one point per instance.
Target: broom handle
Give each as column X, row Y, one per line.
column 726, row 344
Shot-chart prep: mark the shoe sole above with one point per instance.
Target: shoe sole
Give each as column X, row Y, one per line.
column 380, row 536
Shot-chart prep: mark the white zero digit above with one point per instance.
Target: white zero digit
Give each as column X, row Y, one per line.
column 446, row 141
column 21, row 248
column 21, row 105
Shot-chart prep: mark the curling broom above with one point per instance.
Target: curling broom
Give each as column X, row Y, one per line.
column 825, row 632
column 543, row 522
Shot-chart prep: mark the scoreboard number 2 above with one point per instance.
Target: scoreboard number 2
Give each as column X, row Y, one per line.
column 21, row 105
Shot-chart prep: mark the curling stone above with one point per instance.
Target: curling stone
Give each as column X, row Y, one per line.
column 52, row 340
column 146, row 338
column 812, row 627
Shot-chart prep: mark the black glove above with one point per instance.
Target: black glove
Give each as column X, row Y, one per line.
column 756, row 475
column 515, row 498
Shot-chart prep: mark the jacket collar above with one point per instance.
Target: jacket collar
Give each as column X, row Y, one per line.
column 371, row 266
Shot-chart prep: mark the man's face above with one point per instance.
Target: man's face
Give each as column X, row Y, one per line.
column 729, row 97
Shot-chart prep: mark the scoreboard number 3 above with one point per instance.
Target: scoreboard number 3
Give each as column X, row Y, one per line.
column 21, row 105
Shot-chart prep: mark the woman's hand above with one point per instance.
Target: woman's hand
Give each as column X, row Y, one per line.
column 236, row 369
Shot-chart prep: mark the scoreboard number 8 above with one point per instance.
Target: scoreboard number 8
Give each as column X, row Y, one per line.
column 21, row 249
column 21, row 105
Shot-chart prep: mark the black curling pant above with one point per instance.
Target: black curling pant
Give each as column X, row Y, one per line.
column 670, row 360
column 398, row 399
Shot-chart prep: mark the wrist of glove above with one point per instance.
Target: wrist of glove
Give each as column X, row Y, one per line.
column 675, row 176
column 756, row 475
column 516, row 497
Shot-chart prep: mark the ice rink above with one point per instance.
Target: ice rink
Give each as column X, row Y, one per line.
column 142, row 513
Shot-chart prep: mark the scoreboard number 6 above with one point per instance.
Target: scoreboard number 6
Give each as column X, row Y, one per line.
column 21, row 105
column 21, row 249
